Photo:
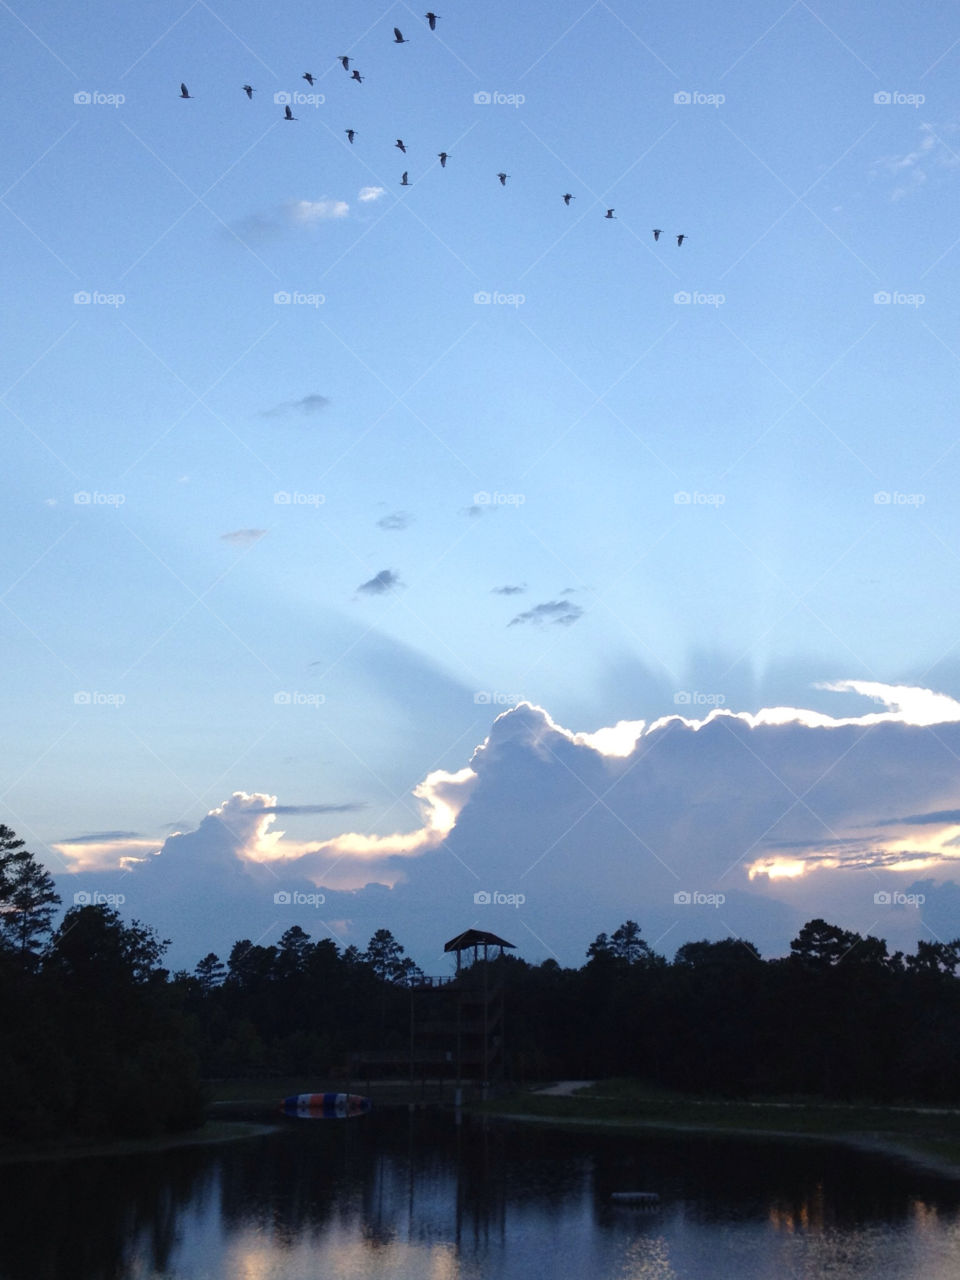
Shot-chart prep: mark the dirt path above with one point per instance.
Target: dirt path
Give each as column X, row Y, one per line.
column 564, row 1088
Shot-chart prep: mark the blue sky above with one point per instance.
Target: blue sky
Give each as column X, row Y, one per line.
column 787, row 369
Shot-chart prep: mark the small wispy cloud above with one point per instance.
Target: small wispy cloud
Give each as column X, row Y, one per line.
column 396, row 521
column 283, row 809
column 509, row 590
column 552, row 612
column 367, row 194
column 101, row 837
column 912, row 169
column 306, row 405
column 243, row 537
column 384, row 581
column 307, row 213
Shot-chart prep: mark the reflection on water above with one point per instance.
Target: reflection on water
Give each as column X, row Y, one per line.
column 418, row 1197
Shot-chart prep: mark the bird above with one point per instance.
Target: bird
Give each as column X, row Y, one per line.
column 503, row 178
column 568, row 197
column 443, row 159
column 308, row 77
column 608, row 214
column 344, row 61
column 399, row 143
column 403, row 180
column 287, row 113
column 249, row 90
column 432, row 19
column 657, row 233
column 398, row 36
column 680, row 239
column 355, row 75
column 351, row 134
column 184, row 92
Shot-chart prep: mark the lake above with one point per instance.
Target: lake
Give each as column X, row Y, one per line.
column 417, row 1196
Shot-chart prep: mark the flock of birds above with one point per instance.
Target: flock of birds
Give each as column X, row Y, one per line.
column 442, row 156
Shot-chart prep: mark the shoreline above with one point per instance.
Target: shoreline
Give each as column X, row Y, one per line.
column 209, row 1134
column 891, row 1147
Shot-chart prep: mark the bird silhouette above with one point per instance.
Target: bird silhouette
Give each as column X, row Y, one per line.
column 680, row 239
column 344, row 61
column 503, row 178
column 355, row 75
column 398, row 36
column 403, row 180
column 288, row 114
column 608, row 214
column 443, row 159
column 432, row 19
column 568, row 197
column 184, row 92
column 351, row 134
column 657, row 233
column 399, row 143
column 249, row 90
column 308, row 77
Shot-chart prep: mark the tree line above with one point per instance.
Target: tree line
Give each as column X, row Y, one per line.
column 102, row 1040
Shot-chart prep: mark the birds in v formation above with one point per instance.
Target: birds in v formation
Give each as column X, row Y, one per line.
column 442, row 156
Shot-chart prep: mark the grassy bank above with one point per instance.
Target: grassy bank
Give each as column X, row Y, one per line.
column 926, row 1135
column 212, row 1131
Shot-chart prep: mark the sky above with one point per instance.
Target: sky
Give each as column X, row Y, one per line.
column 356, row 511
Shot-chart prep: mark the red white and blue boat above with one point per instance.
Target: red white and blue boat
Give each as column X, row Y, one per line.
column 325, row 1106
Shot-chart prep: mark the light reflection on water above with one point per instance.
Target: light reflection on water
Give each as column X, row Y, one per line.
column 395, row 1195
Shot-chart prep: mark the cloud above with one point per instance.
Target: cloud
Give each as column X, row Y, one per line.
column 367, row 194
column 384, row 581
column 307, row 213
column 397, row 520
column 314, row 808
column 555, row 612
column 509, row 591
column 912, row 169
column 243, row 537
column 785, row 814
column 306, row 405
column 100, row 837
